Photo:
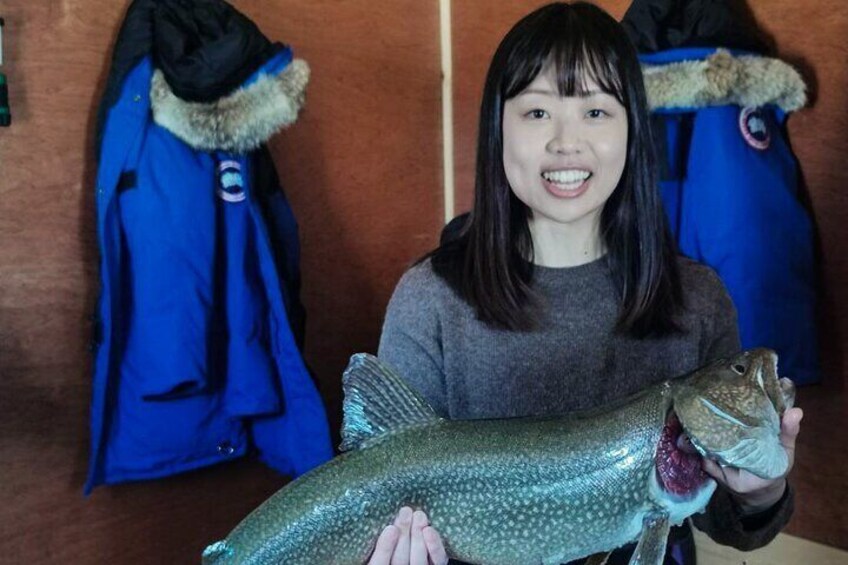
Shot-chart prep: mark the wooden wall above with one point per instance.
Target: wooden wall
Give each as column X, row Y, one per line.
column 362, row 168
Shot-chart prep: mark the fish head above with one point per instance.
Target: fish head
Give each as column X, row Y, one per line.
column 731, row 412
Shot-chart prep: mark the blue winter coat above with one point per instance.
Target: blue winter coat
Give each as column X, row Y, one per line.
column 196, row 359
column 731, row 191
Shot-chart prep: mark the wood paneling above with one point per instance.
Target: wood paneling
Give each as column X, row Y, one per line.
column 810, row 35
column 362, row 168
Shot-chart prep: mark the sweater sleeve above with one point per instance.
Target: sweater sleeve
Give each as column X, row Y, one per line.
column 725, row 523
column 721, row 339
column 410, row 342
column 723, row 520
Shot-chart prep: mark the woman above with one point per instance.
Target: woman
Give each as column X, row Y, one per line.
column 562, row 289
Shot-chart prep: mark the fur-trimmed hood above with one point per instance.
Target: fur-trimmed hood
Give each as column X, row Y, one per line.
column 723, row 78
column 685, row 48
column 205, row 48
column 240, row 121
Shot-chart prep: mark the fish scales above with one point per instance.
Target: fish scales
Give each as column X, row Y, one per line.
column 519, row 491
column 451, row 470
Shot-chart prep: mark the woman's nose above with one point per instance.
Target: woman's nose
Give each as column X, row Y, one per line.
column 565, row 141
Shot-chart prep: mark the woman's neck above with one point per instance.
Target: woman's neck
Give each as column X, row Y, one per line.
column 565, row 245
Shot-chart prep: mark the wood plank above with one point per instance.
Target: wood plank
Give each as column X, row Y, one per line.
column 784, row 550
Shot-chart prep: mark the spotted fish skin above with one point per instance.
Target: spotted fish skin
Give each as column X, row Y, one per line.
column 500, row 492
column 732, row 410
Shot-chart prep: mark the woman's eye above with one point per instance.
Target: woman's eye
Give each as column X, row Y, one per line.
column 596, row 113
column 537, row 114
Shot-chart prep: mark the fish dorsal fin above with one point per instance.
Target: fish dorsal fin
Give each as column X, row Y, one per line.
column 378, row 402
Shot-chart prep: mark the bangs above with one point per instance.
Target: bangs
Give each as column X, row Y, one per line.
column 578, row 49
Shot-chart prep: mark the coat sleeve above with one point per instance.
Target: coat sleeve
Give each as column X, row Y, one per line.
column 725, row 523
column 410, row 342
column 723, row 520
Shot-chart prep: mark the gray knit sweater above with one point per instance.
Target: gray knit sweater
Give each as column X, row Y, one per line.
column 468, row 370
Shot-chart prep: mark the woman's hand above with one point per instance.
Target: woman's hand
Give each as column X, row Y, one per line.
column 752, row 493
column 409, row 541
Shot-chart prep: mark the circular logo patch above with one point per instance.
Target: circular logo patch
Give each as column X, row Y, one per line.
column 752, row 123
column 230, row 181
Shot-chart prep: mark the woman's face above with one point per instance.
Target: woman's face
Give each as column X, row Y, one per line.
column 563, row 156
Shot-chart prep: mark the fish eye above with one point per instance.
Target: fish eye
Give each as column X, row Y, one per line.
column 739, row 368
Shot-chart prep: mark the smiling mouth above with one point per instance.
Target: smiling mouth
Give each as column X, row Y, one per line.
column 566, row 179
column 678, row 465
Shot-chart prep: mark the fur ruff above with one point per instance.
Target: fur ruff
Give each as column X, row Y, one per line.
column 239, row 122
column 720, row 79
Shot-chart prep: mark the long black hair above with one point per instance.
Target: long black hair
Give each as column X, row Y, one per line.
column 490, row 262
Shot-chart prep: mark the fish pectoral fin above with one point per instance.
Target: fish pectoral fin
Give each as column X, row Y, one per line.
column 651, row 547
column 378, row 402
column 598, row 559
column 219, row 549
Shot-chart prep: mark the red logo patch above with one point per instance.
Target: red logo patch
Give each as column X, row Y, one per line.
column 754, row 127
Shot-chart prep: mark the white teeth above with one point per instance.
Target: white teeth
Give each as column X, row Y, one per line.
column 566, row 176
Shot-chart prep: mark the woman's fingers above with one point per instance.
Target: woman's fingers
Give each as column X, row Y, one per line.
column 385, row 547
column 409, row 541
column 435, row 547
column 403, row 521
column 716, row 471
column 417, row 547
column 790, row 426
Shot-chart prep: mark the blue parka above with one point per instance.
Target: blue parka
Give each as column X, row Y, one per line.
column 730, row 187
column 196, row 360
column 730, row 182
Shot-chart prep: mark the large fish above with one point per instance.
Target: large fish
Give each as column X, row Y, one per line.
column 518, row 491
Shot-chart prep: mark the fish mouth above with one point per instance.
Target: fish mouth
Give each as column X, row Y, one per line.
column 678, row 465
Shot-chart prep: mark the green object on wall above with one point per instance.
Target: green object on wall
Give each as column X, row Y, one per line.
column 5, row 114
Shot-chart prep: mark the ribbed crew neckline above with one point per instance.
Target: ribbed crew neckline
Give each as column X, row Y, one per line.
column 591, row 268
